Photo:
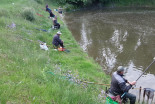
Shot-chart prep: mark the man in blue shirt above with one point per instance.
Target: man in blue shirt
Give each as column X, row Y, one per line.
column 49, row 11
column 119, row 87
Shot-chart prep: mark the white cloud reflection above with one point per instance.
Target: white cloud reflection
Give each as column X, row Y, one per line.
column 110, row 58
column 117, row 38
column 125, row 36
column 84, row 39
column 108, row 53
column 138, row 44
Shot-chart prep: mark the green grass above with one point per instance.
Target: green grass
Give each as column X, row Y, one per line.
column 25, row 69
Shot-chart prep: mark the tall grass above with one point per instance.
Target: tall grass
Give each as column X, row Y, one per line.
column 40, row 1
column 31, row 75
column 28, row 14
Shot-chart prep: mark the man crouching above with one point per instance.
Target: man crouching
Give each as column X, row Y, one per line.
column 57, row 42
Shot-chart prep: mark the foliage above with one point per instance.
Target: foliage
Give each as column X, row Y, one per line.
column 28, row 14
column 3, row 12
column 40, row 1
column 83, row 3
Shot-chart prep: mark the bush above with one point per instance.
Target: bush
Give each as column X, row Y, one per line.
column 3, row 12
column 39, row 1
column 2, row 22
column 28, row 14
column 69, row 7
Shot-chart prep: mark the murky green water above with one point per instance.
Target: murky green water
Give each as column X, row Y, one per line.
column 118, row 37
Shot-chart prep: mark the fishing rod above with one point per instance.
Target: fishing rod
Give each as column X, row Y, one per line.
column 95, row 83
column 109, row 84
column 146, row 69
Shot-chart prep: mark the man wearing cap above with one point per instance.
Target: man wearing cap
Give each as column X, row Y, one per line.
column 119, row 87
column 57, row 41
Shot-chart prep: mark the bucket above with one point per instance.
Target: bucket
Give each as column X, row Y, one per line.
column 110, row 101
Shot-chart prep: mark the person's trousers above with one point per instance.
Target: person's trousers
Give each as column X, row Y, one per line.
column 131, row 97
column 57, row 26
column 60, row 44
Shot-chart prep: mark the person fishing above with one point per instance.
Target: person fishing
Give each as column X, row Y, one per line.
column 49, row 11
column 57, row 42
column 119, row 87
column 60, row 10
column 55, row 23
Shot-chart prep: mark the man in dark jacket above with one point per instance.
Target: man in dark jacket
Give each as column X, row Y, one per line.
column 119, row 87
column 57, row 41
column 55, row 23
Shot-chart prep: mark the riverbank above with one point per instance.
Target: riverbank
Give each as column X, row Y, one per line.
column 31, row 75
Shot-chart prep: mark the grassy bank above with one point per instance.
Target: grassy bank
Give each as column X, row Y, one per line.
column 31, row 75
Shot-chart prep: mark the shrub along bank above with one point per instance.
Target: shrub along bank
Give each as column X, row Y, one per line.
column 70, row 4
column 31, row 75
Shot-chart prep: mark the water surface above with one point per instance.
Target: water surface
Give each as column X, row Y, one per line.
column 118, row 37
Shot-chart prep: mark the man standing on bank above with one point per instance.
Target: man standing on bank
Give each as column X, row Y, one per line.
column 50, row 11
column 119, row 87
column 57, row 42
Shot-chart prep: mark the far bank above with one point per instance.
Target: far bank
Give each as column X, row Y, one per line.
column 74, row 4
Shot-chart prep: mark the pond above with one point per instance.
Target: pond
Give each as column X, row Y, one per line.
column 118, row 37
